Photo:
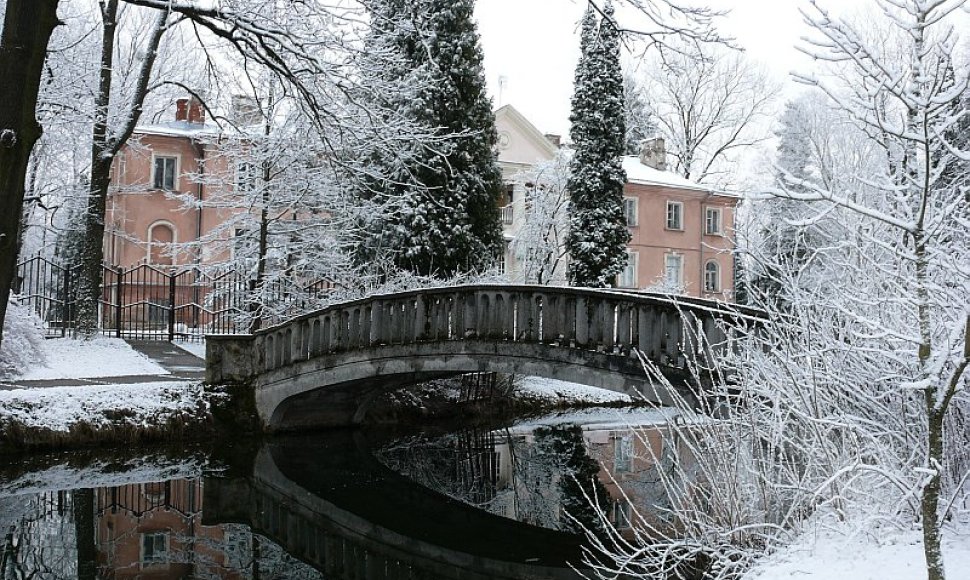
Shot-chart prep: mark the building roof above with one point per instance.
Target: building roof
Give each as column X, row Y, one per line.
column 179, row 129
column 637, row 172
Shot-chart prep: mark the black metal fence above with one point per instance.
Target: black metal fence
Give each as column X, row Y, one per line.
column 150, row 302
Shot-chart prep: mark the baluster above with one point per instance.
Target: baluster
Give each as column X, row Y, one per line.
column 269, row 357
column 316, row 340
column 581, row 335
column 625, row 330
column 420, row 319
column 375, row 324
column 551, row 318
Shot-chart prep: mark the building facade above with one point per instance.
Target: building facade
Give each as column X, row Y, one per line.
column 157, row 176
column 682, row 233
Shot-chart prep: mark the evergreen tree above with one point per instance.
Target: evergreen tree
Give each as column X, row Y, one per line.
column 446, row 220
column 786, row 245
column 598, row 232
column 636, row 113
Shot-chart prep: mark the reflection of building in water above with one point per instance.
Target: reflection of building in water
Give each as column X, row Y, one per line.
column 153, row 530
column 633, row 463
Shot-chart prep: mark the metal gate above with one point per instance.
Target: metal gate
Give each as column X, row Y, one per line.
column 148, row 302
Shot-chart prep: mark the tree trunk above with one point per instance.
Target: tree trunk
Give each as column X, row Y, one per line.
column 930, row 501
column 103, row 150
column 92, row 245
column 84, row 531
column 27, row 28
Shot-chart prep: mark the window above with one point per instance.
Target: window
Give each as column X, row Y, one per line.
column 712, row 221
column 622, row 512
column 712, row 277
column 245, row 177
column 154, row 548
column 674, row 270
column 630, row 211
column 165, row 170
column 622, row 453
column 161, row 236
column 628, row 277
column 675, row 215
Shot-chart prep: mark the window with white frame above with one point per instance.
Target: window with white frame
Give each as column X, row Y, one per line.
column 245, row 177
column 628, row 277
column 164, row 172
column 630, row 211
column 712, row 221
column 712, row 277
column 674, row 270
column 675, row 215
column 154, row 548
column 622, row 453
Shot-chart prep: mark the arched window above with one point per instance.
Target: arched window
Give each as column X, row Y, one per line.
column 712, row 277
column 161, row 236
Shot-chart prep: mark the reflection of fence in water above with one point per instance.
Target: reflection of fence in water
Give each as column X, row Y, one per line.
column 158, row 302
column 181, row 495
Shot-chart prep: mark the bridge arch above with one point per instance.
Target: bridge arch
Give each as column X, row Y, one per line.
column 582, row 335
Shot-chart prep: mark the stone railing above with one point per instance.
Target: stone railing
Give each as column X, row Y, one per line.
column 665, row 330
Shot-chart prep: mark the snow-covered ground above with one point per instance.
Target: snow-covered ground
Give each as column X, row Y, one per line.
column 836, row 555
column 145, row 404
column 553, row 390
column 100, row 356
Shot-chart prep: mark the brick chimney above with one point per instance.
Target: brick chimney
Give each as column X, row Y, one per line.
column 556, row 140
column 653, row 153
column 190, row 110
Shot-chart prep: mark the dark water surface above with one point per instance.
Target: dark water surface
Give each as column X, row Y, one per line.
column 471, row 504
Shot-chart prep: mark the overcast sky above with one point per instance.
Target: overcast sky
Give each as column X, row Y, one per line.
column 534, row 44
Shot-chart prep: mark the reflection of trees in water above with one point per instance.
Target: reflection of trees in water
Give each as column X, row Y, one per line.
column 549, row 477
column 38, row 537
column 580, row 489
column 461, row 465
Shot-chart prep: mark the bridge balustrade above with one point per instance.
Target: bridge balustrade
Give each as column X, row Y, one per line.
column 664, row 330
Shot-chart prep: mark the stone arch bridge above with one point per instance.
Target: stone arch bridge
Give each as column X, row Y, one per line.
column 321, row 368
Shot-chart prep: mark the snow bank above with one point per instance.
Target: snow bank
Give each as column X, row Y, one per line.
column 98, row 356
column 570, row 393
column 23, row 341
column 837, row 555
column 143, row 405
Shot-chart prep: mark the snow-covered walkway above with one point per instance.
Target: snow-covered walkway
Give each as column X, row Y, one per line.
column 106, row 361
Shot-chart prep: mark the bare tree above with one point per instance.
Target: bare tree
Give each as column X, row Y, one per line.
column 709, row 102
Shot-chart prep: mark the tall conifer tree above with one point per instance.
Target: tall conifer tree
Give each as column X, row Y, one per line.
column 598, row 233
column 447, row 220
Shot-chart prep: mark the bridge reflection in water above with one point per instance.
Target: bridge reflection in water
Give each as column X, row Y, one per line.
column 333, row 505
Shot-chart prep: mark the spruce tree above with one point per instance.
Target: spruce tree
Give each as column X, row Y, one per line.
column 785, row 245
column 447, row 219
column 598, row 233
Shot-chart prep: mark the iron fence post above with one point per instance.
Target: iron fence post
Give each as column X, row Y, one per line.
column 65, row 313
column 171, row 306
column 119, row 295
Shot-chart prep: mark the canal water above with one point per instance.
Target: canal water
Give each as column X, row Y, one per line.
column 471, row 503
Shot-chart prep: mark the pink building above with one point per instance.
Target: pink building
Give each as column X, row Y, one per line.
column 682, row 233
column 144, row 223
